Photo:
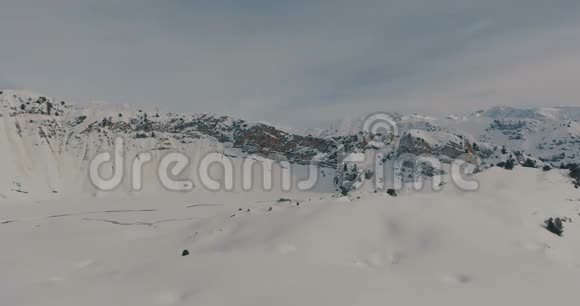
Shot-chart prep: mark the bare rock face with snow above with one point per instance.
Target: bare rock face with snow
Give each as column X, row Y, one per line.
column 419, row 142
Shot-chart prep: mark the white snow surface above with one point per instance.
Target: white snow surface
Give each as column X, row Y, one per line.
column 423, row 248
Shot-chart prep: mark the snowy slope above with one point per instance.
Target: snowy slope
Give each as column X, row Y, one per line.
column 446, row 248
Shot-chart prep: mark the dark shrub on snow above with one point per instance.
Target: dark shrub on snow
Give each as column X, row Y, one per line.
column 555, row 226
column 510, row 164
column 530, row 163
column 575, row 174
column 343, row 191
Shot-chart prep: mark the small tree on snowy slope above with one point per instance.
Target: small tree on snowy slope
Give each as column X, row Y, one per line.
column 509, row 164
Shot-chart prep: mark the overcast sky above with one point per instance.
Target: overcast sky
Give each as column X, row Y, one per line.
column 295, row 62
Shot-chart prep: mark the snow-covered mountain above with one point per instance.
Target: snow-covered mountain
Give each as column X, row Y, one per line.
column 515, row 241
column 550, row 134
column 47, row 144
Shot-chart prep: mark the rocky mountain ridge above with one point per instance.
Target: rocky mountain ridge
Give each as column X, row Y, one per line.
column 60, row 138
